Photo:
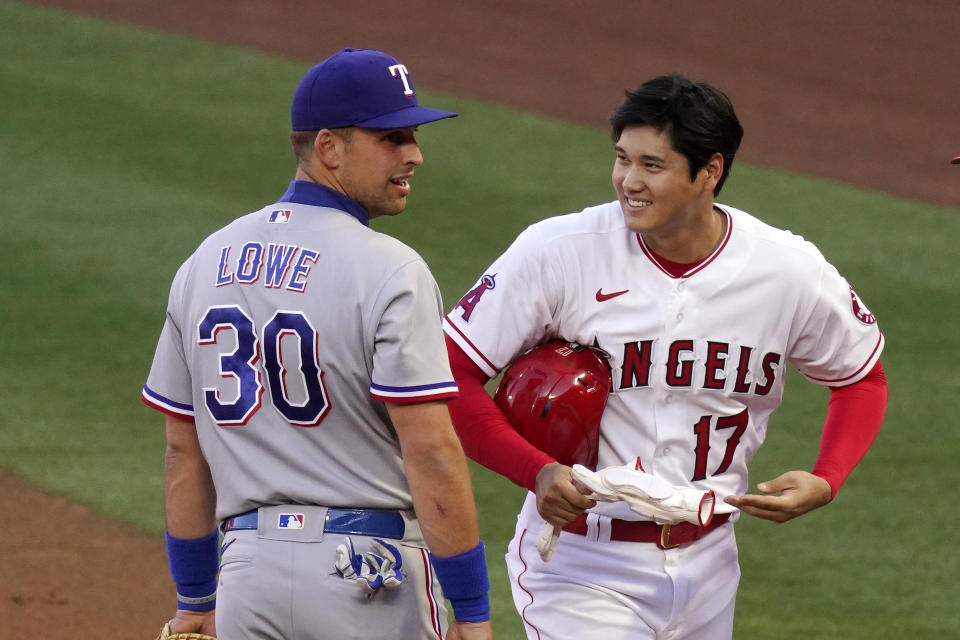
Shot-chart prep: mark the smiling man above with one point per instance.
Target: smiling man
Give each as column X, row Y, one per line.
column 698, row 306
column 304, row 377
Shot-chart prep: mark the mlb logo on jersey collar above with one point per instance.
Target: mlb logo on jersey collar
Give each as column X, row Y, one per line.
column 280, row 216
column 290, row 521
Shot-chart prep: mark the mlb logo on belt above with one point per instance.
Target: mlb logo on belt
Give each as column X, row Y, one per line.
column 290, row 521
column 280, row 216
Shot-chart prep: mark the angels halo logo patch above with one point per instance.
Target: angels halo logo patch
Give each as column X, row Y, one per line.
column 860, row 310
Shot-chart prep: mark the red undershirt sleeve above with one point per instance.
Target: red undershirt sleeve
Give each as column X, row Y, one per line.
column 485, row 434
column 854, row 416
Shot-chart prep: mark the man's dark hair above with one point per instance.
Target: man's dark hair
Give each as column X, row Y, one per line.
column 697, row 118
column 302, row 143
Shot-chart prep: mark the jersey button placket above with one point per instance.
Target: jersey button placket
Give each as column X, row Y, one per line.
column 678, row 290
column 682, row 316
column 670, row 411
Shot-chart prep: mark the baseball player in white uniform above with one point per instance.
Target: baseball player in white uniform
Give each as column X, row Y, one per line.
column 304, row 376
column 700, row 306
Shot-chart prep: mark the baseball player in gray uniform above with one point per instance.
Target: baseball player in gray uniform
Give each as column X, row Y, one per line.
column 303, row 373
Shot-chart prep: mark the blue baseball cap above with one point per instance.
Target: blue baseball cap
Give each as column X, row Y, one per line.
column 359, row 88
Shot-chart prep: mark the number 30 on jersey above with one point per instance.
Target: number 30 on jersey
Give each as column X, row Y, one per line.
column 242, row 364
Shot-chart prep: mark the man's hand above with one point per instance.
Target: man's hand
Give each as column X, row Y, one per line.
column 470, row 631
column 559, row 499
column 785, row 497
column 194, row 622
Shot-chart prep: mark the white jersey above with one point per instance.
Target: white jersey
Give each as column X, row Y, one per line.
column 286, row 331
column 699, row 360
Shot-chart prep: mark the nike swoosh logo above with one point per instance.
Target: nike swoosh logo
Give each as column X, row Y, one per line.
column 601, row 296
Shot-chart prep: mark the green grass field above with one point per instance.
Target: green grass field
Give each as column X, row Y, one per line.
column 120, row 149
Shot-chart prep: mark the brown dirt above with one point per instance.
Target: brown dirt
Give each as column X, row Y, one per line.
column 68, row 574
column 862, row 92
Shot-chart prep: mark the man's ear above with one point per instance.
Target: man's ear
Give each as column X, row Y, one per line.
column 329, row 148
column 713, row 171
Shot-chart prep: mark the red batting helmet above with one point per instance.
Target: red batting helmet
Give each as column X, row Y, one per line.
column 554, row 395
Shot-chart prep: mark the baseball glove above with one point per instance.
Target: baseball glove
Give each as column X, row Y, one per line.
column 166, row 634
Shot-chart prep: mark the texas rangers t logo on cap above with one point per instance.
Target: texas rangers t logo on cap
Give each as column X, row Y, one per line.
column 399, row 69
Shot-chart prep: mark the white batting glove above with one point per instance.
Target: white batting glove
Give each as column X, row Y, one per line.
column 386, row 560
column 547, row 540
column 353, row 567
column 648, row 495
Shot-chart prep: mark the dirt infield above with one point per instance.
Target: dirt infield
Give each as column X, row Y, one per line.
column 68, row 574
column 858, row 92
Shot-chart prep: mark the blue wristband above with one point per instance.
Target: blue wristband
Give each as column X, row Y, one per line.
column 465, row 583
column 193, row 565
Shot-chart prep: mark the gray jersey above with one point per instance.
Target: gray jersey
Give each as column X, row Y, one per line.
column 286, row 331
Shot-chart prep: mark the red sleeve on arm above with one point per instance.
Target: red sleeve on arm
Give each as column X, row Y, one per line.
column 854, row 416
column 486, row 435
